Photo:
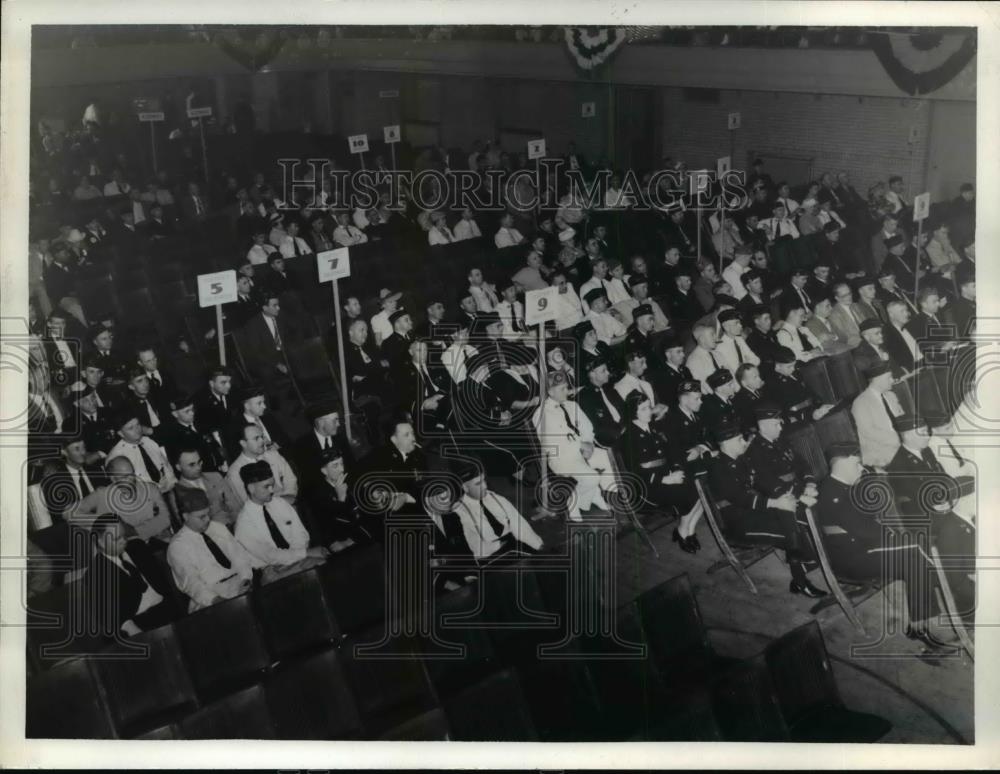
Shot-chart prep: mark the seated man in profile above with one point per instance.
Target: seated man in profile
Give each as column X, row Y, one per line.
column 269, row 528
column 207, row 562
column 124, row 585
column 335, row 516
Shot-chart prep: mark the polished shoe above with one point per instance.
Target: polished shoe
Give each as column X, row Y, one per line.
column 694, row 541
column 806, row 589
column 929, row 640
column 684, row 543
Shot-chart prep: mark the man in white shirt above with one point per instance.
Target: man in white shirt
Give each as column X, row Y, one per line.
column 570, row 308
column 117, row 185
column 467, row 228
column 778, row 226
column 223, row 504
column 639, row 287
column 258, row 252
column 346, row 234
column 507, row 235
column 735, row 270
column 208, row 564
column 703, row 361
column 567, row 436
column 269, row 528
column 784, row 198
column 490, row 523
column 294, row 245
column 439, row 233
column 456, row 358
column 483, row 292
column 138, row 503
column 598, row 279
column 252, row 450
column 380, row 325
column 609, row 329
column 147, row 457
column 732, row 351
column 511, row 312
column 635, row 368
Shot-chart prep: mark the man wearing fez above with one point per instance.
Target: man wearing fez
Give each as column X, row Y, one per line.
column 576, row 455
column 859, row 546
column 147, row 458
column 253, row 449
column 871, row 351
column 179, row 431
column 224, row 503
column 491, row 524
column 752, row 516
column 269, row 528
column 334, row 514
column 208, row 564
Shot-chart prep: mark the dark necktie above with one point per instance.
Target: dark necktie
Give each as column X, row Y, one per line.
column 153, row 418
column 327, row 444
column 568, row 420
column 805, row 341
column 295, row 245
column 86, row 488
column 220, row 557
column 492, row 519
column 954, row 452
column 156, row 379
column 929, row 460
column 276, row 536
column 739, row 352
column 151, row 469
column 715, row 362
column 276, row 336
column 133, row 571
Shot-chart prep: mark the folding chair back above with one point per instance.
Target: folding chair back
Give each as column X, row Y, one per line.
column 242, row 715
column 450, row 675
column 746, row 706
column 312, row 372
column 801, row 672
column 806, row 445
column 354, row 588
column 715, row 523
column 816, row 376
column 293, row 615
column 843, row 375
column 835, row 427
column 312, row 699
column 66, row 703
column 675, row 629
column 828, row 574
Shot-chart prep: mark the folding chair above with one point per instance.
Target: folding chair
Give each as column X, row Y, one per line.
column 676, row 633
column 816, row 376
column 312, row 699
column 474, row 717
column 843, row 375
column 224, row 647
column 948, row 603
column 832, row 582
column 807, row 693
column 58, row 629
column 312, row 373
column 147, row 691
column 242, row 715
column 66, row 703
column 747, row 557
column 561, row 698
column 805, row 443
column 293, row 615
column 431, row 726
column 745, row 704
column 622, row 503
column 835, row 427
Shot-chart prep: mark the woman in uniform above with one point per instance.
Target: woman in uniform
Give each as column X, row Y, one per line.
column 651, row 458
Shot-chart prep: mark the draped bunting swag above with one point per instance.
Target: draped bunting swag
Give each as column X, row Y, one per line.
column 591, row 48
column 920, row 64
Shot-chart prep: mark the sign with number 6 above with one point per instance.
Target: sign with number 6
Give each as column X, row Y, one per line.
column 217, row 288
column 540, row 305
column 333, row 264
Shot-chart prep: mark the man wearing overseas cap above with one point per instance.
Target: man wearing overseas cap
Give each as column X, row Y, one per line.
column 638, row 285
column 395, row 346
column 786, row 389
column 609, row 329
column 732, row 351
column 180, row 430
column 777, row 469
column 860, row 548
column 871, row 350
column 511, row 311
column 490, row 522
column 601, row 402
column 669, row 376
column 874, row 411
column 569, row 441
column 208, row 564
column 750, row 515
column 640, row 335
column 753, row 282
column 269, row 528
column 148, row 458
column 717, row 408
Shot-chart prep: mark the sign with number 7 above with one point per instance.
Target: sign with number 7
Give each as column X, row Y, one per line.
column 333, row 264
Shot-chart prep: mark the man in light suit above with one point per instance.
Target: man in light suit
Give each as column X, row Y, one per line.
column 702, row 360
column 874, row 411
column 843, row 317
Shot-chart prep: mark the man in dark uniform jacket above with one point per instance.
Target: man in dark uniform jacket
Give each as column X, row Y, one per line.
column 180, row 431
column 333, row 515
column 751, row 516
column 685, row 308
column 871, row 349
column 963, row 307
column 139, row 399
column 400, row 460
column 749, row 396
column 326, row 433
column 673, row 373
column 66, row 482
column 214, row 406
column 602, row 404
column 776, row 467
column 640, row 337
column 96, row 422
column 859, row 548
column 396, row 346
column 600, row 349
column 717, row 407
column 761, row 338
column 105, row 356
column 423, row 390
column 684, row 428
column 252, row 409
column 889, row 290
column 785, row 389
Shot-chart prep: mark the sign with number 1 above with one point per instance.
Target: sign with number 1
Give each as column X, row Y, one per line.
column 540, row 305
column 217, row 288
column 333, row 264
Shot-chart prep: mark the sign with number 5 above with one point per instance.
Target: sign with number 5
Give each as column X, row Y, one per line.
column 541, row 305
column 333, row 264
column 217, row 288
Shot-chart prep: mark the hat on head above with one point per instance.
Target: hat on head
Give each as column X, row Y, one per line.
column 822, row 260
column 893, row 241
column 97, row 329
column 758, row 309
column 93, row 360
column 728, row 314
column 877, row 369
column 387, row 295
column 750, row 276
column 137, row 372
column 809, row 203
column 468, row 472
column 251, row 391
column 123, row 416
column 783, row 355
column 691, row 385
column 640, row 310
column 886, row 271
column 182, row 401
column 567, row 234
column 191, row 499
column 593, row 363
column 79, row 391
column 326, row 456
column 256, row 472
column 324, row 408
column 556, row 378
column 800, row 271
column 870, row 324
column 766, row 411
column 728, row 430
column 637, row 279
column 401, row 312
column 908, row 422
column 582, row 328
column 275, row 217
column 842, row 449
column 718, row 378
column 593, row 294
column 219, row 370
column 831, row 226
column 860, row 282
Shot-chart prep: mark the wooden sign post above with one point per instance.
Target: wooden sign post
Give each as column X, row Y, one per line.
column 216, row 289
column 722, row 166
column 539, row 307
column 331, row 266
column 358, row 143
column 921, row 209
column 202, row 113
column 152, row 118
column 392, row 135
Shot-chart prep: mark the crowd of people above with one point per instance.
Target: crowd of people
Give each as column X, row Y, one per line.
column 664, row 365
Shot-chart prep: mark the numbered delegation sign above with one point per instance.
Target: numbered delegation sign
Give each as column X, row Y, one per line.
column 202, row 112
column 540, row 305
column 217, row 288
column 333, row 264
column 733, row 121
column 723, row 165
column 921, row 206
column 588, row 109
column 358, row 143
column 391, row 134
column 536, row 149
